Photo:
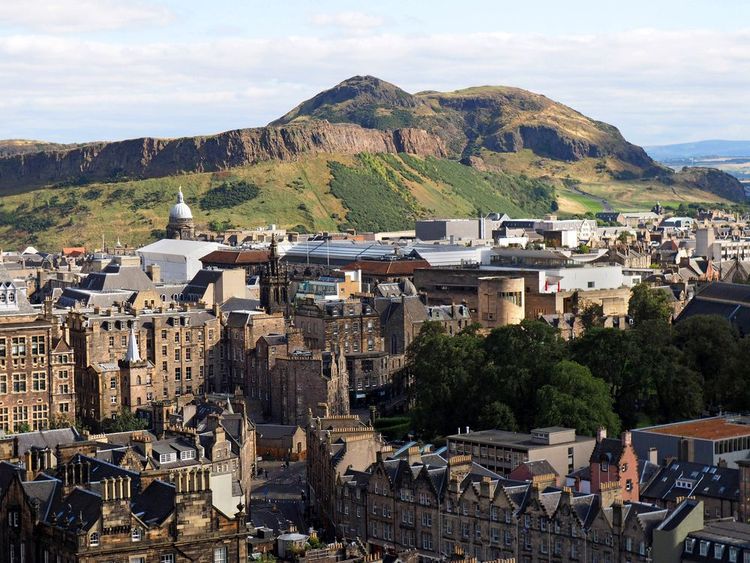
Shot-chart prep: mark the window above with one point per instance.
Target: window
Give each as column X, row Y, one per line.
column 39, row 416
column 14, row 518
column 166, row 558
column 94, row 539
column 176, row 354
column 591, row 284
column 177, row 374
column 4, row 419
column 703, row 547
column 176, row 336
column 19, row 383
column 113, row 383
column 39, row 381
column 168, row 457
column 123, row 340
column 3, row 382
column 733, row 553
column 113, row 399
column 188, row 354
column 718, row 551
column 136, row 534
column 64, row 407
column 111, row 341
column 3, row 348
column 187, row 454
column 38, row 347
column 220, row 555
column 62, row 374
column 20, row 417
column 188, row 373
column 19, row 346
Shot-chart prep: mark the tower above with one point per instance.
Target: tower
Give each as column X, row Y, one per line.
column 274, row 283
column 180, row 224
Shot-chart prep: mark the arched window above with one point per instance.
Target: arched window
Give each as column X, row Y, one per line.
column 94, row 540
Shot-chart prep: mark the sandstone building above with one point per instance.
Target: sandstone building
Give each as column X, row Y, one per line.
column 37, row 384
column 182, row 345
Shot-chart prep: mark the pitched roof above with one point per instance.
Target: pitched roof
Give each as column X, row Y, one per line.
column 608, row 449
column 236, row 257
column 387, row 267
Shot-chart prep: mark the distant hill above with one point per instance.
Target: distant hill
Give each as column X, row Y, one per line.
column 700, row 149
column 364, row 154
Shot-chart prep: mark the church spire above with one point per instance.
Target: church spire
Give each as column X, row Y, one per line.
column 132, row 355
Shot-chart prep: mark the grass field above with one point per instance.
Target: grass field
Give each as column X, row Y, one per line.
column 324, row 192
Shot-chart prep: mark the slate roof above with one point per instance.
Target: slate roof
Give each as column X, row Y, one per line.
column 729, row 300
column 115, row 277
column 685, row 479
column 608, row 449
column 45, row 439
column 156, row 503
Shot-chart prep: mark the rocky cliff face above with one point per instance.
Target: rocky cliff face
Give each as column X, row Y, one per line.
column 152, row 158
column 712, row 180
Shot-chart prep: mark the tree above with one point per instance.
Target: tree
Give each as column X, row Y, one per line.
column 709, row 346
column 576, row 399
column 648, row 304
column 447, row 374
column 615, row 357
column 520, row 358
column 592, row 315
column 497, row 415
column 125, row 422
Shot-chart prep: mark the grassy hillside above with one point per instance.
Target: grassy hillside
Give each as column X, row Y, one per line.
column 367, row 192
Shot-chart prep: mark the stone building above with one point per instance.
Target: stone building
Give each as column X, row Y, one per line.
column 182, row 344
column 106, row 388
column 344, row 326
column 37, row 382
column 335, row 445
column 242, row 330
column 500, row 301
column 90, row 511
column 615, row 461
column 180, row 225
column 305, row 380
column 438, row 507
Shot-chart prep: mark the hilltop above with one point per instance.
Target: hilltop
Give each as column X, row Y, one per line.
column 364, row 154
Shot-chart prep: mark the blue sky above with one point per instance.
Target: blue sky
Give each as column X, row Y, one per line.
column 79, row 70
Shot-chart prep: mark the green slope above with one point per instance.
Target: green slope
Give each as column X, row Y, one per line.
column 324, row 192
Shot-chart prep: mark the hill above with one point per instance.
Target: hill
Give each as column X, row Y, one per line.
column 699, row 149
column 314, row 192
column 364, row 154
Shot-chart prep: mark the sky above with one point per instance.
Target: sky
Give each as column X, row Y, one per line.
column 662, row 71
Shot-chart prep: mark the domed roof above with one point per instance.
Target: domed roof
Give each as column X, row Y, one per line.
column 180, row 210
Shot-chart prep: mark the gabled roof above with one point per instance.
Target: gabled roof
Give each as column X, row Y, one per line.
column 608, row 449
column 155, row 503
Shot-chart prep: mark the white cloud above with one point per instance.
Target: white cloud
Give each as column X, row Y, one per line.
column 656, row 86
column 348, row 21
column 67, row 16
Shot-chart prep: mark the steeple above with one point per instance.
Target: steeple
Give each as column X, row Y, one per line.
column 132, row 355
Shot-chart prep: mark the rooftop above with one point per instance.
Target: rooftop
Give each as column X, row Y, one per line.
column 716, row 428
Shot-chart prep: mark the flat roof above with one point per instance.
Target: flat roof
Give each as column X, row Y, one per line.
column 507, row 438
column 716, row 428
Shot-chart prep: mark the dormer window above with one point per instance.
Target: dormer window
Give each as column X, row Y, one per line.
column 168, row 457
column 187, row 454
column 94, row 539
column 136, row 534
